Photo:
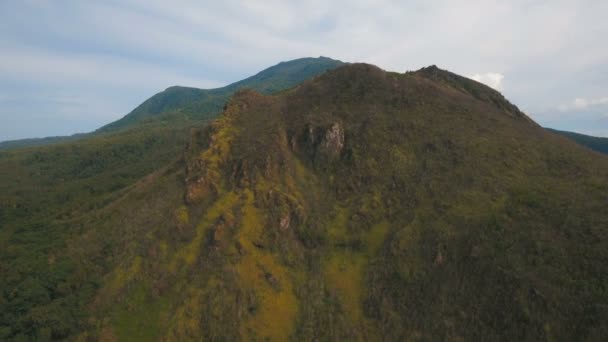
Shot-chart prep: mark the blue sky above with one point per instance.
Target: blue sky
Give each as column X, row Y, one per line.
column 73, row 66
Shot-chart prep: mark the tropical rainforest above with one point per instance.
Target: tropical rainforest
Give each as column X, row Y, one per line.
column 314, row 201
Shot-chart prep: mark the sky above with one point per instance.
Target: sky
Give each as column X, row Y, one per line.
column 72, row 66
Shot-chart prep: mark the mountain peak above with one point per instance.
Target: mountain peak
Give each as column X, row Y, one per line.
column 204, row 104
column 478, row 90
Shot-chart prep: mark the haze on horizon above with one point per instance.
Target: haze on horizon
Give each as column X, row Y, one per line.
column 72, row 67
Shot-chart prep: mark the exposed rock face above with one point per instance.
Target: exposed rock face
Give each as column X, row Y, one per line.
column 285, row 221
column 322, row 143
column 333, row 142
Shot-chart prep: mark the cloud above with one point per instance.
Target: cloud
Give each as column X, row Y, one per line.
column 42, row 66
column 580, row 103
column 120, row 50
column 491, row 79
column 586, row 115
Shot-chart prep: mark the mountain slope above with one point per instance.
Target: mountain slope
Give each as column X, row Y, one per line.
column 200, row 104
column 361, row 205
column 49, row 193
column 595, row 143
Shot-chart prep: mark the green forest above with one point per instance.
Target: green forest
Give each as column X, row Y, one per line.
column 344, row 203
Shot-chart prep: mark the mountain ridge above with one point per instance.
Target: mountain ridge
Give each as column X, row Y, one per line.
column 195, row 103
column 598, row 144
column 189, row 96
column 205, row 103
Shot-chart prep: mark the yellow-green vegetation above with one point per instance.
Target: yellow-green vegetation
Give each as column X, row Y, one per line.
column 181, row 215
column 274, row 316
column 122, row 276
column 189, row 253
column 375, row 237
column 346, row 266
column 206, row 176
column 140, row 317
column 186, row 319
column 337, row 231
column 220, row 142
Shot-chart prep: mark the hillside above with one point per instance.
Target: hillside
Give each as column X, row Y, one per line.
column 360, row 205
column 51, row 185
column 202, row 104
column 595, row 143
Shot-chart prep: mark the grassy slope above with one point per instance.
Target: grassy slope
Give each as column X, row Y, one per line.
column 445, row 214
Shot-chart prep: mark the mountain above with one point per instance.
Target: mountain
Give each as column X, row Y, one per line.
column 32, row 142
column 49, row 185
column 201, row 104
column 178, row 105
column 359, row 205
column 595, row 143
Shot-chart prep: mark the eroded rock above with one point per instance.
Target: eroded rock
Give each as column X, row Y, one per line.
column 333, row 141
column 321, row 143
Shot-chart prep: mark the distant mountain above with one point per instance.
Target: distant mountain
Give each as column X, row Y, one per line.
column 595, row 143
column 184, row 104
column 201, row 104
column 361, row 205
column 32, row 142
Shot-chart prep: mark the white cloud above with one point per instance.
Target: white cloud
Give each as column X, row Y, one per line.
column 580, row 103
column 548, row 49
column 491, row 79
